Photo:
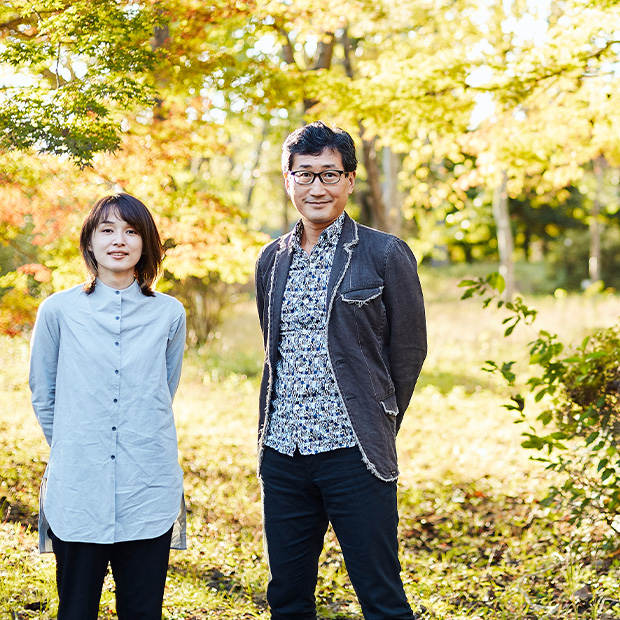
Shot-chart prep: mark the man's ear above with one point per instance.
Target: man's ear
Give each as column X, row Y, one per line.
column 288, row 179
column 351, row 179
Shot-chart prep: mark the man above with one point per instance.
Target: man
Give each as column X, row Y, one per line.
column 343, row 323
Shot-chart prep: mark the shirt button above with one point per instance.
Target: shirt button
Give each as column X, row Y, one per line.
column 112, row 457
column 116, row 372
column 117, row 292
column 118, row 318
column 116, row 400
column 116, row 343
column 114, row 428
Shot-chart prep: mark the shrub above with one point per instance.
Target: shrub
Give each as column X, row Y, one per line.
column 577, row 434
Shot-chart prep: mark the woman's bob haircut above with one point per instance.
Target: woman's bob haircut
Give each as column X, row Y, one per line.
column 135, row 213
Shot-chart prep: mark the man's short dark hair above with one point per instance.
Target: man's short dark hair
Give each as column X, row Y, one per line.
column 313, row 139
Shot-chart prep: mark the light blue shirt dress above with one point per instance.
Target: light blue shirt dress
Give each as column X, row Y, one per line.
column 104, row 369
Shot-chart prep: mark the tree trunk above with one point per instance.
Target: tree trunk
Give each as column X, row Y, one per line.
column 255, row 168
column 505, row 242
column 390, row 191
column 369, row 153
column 161, row 34
column 322, row 60
column 594, row 262
column 373, row 174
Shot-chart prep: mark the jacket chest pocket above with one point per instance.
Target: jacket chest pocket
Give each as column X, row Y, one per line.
column 367, row 305
column 361, row 296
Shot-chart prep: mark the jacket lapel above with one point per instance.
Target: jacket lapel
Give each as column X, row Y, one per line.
column 342, row 258
column 281, row 266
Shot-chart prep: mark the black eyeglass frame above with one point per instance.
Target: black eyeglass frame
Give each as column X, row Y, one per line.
column 294, row 174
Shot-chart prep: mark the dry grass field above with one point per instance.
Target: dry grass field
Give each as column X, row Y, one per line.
column 476, row 543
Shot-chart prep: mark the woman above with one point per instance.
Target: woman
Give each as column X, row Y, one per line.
column 105, row 364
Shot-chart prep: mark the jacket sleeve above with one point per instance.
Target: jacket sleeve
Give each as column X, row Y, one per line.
column 174, row 352
column 44, row 350
column 406, row 320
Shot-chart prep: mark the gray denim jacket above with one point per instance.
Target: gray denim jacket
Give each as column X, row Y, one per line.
column 376, row 333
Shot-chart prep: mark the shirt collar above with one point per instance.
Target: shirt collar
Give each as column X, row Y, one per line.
column 327, row 239
column 107, row 292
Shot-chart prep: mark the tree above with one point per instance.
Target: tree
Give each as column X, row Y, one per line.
column 161, row 153
column 555, row 95
column 69, row 77
column 190, row 109
column 401, row 75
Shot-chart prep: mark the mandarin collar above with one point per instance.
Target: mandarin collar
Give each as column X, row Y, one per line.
column 103, row 291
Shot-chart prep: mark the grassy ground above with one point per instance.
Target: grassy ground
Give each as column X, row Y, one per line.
column 476, row 543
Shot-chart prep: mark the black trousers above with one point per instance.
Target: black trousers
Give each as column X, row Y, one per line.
column 301, row 495
column 139, row 568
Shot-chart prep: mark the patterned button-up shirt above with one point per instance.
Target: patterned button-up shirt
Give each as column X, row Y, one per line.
column 307, row 412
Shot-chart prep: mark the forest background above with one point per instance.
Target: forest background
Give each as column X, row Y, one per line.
column 488, row 138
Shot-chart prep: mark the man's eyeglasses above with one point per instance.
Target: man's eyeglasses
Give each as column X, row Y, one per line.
column 327, row 177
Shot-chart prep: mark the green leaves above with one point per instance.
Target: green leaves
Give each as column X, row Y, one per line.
column 75, row 64
column 480, row 286
column 505, row 370
column 79, row 129
column 493, row 285
column 580, row 397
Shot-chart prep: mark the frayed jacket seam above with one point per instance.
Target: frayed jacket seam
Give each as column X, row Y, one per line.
column 268, row 300
column 389, row 411
column 361, row 302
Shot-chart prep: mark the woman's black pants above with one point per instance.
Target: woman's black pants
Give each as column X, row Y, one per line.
column 139, row 568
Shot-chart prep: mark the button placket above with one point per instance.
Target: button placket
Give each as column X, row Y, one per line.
column 117, row 375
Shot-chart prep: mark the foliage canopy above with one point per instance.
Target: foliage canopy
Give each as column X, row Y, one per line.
column 186, row 104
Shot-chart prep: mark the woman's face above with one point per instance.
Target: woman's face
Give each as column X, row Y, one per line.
column 117, row 248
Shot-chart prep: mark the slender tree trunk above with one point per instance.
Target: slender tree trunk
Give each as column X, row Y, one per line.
column 369, row 152
column 594, row 262
column 161, row 35
column 373, row 174
column 323, row 60
column 505, row 242
column 390, row 191
column 255, row 168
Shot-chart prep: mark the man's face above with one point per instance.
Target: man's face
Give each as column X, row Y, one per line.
column 318, row 204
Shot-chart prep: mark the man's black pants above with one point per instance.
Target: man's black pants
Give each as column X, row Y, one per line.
column 301, row 495
column 139, row 568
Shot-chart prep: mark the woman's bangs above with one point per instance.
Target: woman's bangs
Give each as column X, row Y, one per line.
column 123, row 212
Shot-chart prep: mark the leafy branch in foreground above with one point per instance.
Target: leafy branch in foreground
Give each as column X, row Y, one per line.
column 578, row 430
column 70, row 70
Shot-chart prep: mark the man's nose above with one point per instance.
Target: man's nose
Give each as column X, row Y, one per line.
column 317, row 185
